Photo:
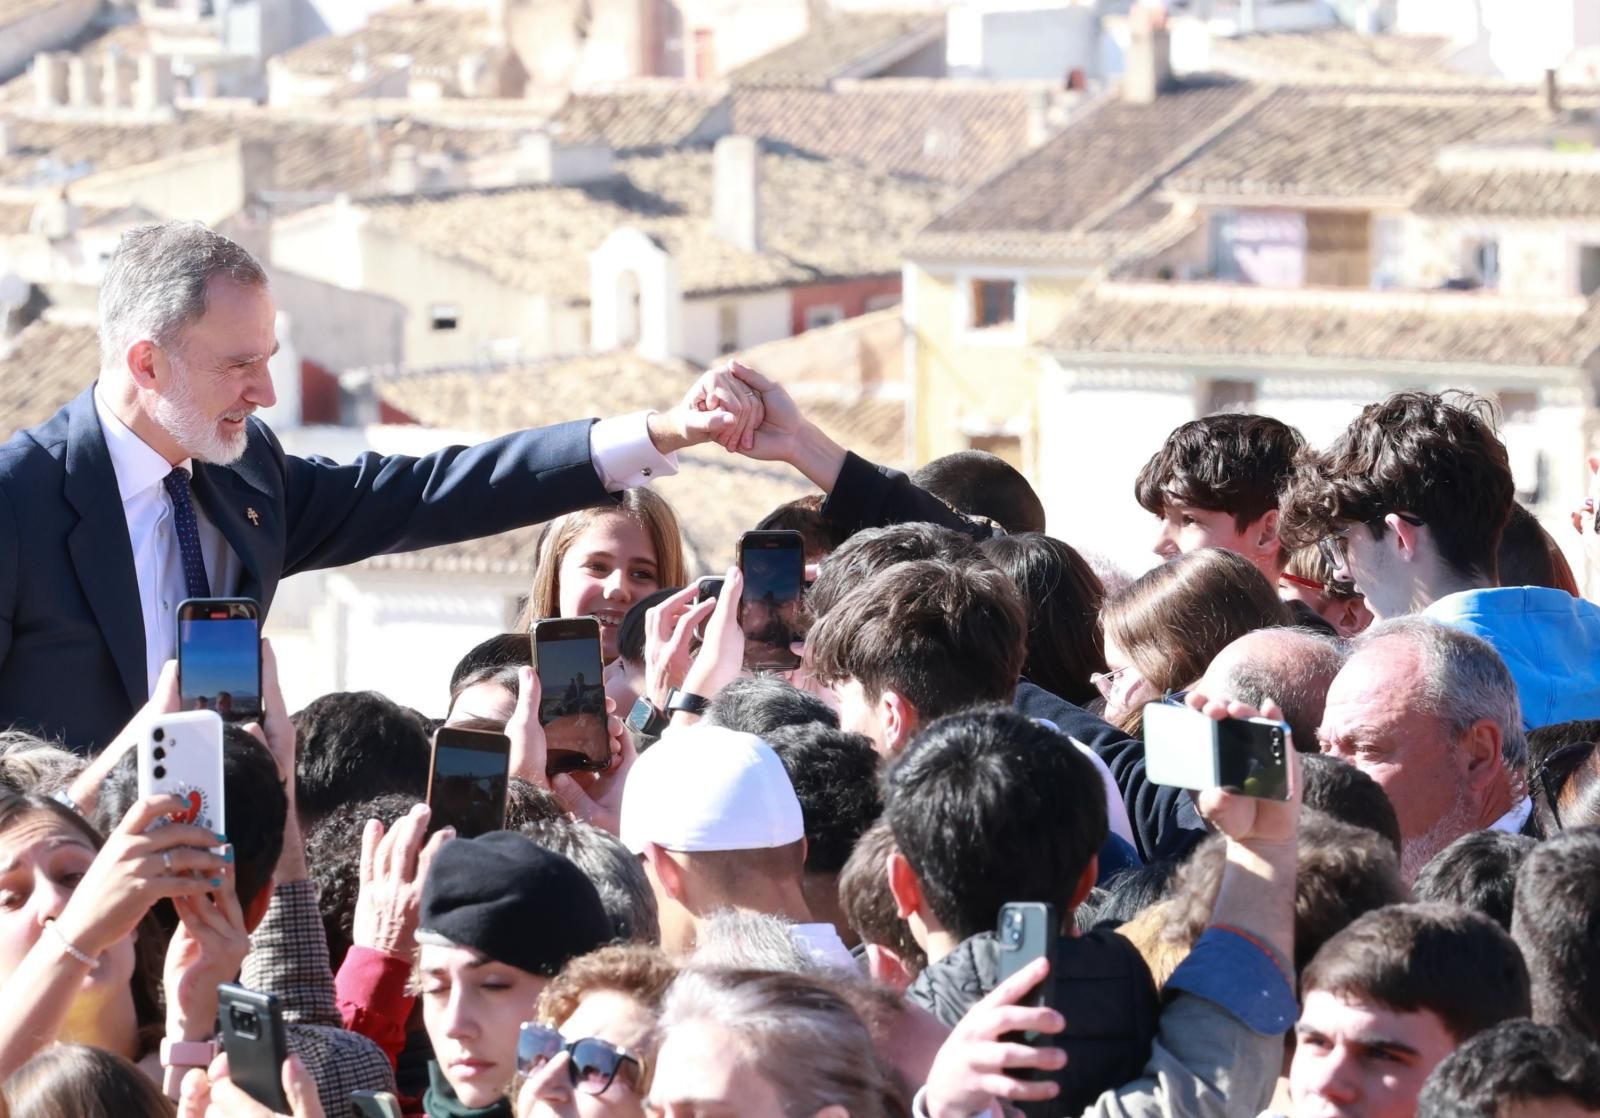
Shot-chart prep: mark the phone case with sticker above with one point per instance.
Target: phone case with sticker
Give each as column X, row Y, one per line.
column 181, row 755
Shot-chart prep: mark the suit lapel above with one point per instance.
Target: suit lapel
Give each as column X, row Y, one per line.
column 229, row 500
column 99, row 546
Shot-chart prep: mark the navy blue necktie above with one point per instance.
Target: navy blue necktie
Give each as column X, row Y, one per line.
column 194, row 561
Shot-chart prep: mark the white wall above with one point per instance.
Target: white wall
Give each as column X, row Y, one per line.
column 1020, row 41
column 763, row 317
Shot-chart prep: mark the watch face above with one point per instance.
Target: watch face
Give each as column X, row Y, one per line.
column 641, row 716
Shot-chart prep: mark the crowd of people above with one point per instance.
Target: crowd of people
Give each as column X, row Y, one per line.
column 785, row 904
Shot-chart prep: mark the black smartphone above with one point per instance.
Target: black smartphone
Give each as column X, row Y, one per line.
column 1028, row 931
column 773, row 564
column 467, row 780
column 572, row 703
column 219, row 657
column 253, row 1037
column 1185, row 749
column 707, row 587
column 374, row 1104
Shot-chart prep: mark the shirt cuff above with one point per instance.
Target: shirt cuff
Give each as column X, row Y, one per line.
column 1238, row 974
column 623, row 454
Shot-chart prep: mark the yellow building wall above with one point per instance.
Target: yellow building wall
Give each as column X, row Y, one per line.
column 965, row 383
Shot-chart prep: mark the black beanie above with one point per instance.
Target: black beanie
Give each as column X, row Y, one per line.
column 510, row 899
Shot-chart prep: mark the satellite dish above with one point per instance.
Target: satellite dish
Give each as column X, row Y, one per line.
column 14, row 290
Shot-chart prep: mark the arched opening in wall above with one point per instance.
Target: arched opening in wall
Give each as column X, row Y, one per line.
column 628, row 310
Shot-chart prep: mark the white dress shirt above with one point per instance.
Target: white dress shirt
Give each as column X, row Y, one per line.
column 1514, row 820
column 620, row 448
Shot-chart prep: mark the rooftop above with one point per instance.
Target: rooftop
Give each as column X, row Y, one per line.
column 843, row 45
column 12, row 11
column 42, row 368
column 645, row 116
column 950, row 131
column 1511, row 193
column 430, row 38
column 1337, row 54
column 1216, row 321
column 819, row 219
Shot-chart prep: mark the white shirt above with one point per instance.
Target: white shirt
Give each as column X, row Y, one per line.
column 1514, row 820
column 620, row 449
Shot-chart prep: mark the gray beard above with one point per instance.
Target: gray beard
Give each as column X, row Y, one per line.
column 180, row 417
column 1418, row 852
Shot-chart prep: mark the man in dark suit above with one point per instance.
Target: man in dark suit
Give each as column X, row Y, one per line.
column 156, row 484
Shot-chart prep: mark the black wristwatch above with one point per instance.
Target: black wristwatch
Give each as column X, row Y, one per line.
column 686, row 702
column 645, row 719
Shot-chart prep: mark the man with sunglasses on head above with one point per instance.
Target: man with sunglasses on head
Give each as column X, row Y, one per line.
column 1410, row 504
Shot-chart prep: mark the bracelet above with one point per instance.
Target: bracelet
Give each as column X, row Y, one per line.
column 69, row 947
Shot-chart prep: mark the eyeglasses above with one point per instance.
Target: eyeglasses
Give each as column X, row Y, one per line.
column 1107, row 683
column 592, row 1063
column 1335, row 547
column 1554, row 771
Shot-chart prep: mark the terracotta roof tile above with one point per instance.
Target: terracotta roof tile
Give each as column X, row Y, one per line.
column 951, row 131
column 661, row 116
column 42, row 368
column 1338, row 54
column 1526, row 194
column 836, row 46
column 1204, row 320
column 432, row 38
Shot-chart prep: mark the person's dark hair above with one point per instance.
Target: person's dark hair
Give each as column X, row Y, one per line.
column 1433, row 455
column 1036, row 801
column 982, row 484
column 1477, row 871
column 1063, row 596
column 1529, row 556
column 1339, row 789
column 1451, row 961
column 527, row 803
column 875, row 549
column 356, row 744
column 631, row 632
column 78, row 1081
column 868, row 903
column 943, row 635
column 333, row 855
column 257, row 810
column 804, row 515
column 1556, row 922
column 835, row 778
column 1517, row 1062
column 1234, row 463
column 504, row 650
column 1128, row 894
column 760, row 705
column 1566, row 788
column 618, row 876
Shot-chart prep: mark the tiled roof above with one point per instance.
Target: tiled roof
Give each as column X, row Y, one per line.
column 838, row 45
column 1061, row 199
column 431, row 38
column 1525, row 194
column 42, row 368
column 1350, row 144
column 1337, row 54
column 658, row 116
column 1204, row 320
column 952, row 131
column 819, row 219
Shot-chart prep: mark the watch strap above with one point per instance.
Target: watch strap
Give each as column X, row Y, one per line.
column 687, row 702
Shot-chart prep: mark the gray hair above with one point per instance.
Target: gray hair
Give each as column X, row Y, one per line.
column 749, row 940
column 799, row 1033
column 1464, row 681
column 1291, row 666
column 156, row 284
column 32, row 764
column 617, row 875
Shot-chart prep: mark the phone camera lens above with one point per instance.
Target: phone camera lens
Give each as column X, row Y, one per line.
column 159, row 754
column 160, row 772
column 158, row 734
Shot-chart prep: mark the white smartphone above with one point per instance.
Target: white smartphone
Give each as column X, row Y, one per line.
column 1185, row 749
column 181, row 755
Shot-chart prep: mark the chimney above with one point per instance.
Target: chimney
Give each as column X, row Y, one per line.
column 1039, row 113
column 153, row 89
column 50, row 79
column 83, row 81
column 541, row 158
column 1149, row 61
column 1552, row 94
column 5, row 138
column 116, row 81
column 736, row 191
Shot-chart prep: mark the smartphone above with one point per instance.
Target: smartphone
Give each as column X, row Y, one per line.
column 467, row 780
column 181, row 755
column 252, row 1035
column 374, row 1104
column 774, row 566
column 1185, row 749
column 572, row 689
column 1028, row 931
column 708, row 587
column 219, row 657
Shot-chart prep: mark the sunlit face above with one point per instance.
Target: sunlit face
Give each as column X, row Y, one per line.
column 1374, row 566
column 473, row 1009
column 1357, row 1059
column 215, row 375
column 859, row 714
column 42, row 859
column 1184, row 528
column 610, row 1016
column 608, row 567
column 1125, row 689
column 701, row 1072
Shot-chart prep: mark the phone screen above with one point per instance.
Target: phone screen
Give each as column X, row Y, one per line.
column 467, row 786
column 219, row 658
column 1253, row 758
column 572, row 704
column 773, row 564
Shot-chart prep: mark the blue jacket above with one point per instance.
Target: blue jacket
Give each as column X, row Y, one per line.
column 1549, row 640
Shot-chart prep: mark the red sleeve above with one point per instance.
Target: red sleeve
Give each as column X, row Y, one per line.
column 373, row 992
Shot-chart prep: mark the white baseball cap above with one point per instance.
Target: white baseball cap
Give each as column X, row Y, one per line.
column 703, row 788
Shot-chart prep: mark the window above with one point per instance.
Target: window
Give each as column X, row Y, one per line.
column 727, row 328
column 1589, row 269
column 1220, row 396
column 994, row 303
column 444, row 316
column 1485, row 262
column 825, row 315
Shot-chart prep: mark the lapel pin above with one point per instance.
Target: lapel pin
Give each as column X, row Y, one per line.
column 255, row 518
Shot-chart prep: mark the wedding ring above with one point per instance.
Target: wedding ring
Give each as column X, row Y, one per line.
column 166, row 859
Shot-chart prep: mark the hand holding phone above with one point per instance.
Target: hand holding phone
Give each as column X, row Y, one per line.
column 1187, row 749
column 467, row 780
column 773, row 565
column 257, row 1045
column 572, row 694
column 374, row 1104
column 219, row 657
column 181, row 755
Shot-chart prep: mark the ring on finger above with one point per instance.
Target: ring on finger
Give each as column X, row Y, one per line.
column 166, row 859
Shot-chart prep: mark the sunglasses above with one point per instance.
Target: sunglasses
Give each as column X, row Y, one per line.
column 593, row 1064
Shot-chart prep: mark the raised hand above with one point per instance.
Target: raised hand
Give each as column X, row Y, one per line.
column 1242, row 818
column 212, row 1094
column 207, row 949
column 721, row 657
column 668, row 632
column 596, row 798
column 529, row 749
column 394, row 867
column 717, row 407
